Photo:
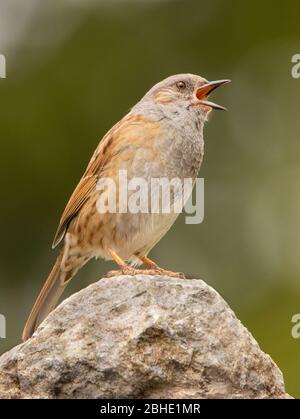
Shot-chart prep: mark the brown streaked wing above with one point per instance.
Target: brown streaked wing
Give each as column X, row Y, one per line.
column 85, row 186
column 78, row 198
column 89, row 180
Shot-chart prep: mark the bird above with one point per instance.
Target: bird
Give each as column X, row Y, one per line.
column 160, row 137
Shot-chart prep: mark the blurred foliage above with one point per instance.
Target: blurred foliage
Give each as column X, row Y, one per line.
column 63, row 92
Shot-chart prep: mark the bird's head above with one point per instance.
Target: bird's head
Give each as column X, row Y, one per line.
column 186, row 90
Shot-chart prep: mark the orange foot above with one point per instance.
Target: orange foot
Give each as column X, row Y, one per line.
column 160, row 271
column 128, row 270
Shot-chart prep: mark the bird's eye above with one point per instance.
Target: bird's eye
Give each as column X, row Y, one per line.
column 181, row 85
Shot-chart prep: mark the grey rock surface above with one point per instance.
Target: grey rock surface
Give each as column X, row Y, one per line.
column 141, row 337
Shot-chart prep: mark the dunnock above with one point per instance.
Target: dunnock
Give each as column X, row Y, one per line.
column 162, row 136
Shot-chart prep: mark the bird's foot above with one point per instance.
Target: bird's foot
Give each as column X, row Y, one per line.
column 164, row 272
column 128, row 270
column 153, row 268
column 160, row 271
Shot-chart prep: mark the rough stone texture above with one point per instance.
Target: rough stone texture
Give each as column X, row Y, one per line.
column 141, row 337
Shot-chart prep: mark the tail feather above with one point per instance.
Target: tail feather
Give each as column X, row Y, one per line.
column 47, row 299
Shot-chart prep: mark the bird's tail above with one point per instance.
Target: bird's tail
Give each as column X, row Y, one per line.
column 48, row 296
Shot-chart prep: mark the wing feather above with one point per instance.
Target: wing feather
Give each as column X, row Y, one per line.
column 110, row 147
column 78, row 198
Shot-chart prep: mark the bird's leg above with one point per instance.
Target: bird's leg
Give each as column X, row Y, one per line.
column 125, row 269
column 160, row 271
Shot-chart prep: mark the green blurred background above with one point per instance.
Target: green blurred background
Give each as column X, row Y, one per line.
column 75, row 67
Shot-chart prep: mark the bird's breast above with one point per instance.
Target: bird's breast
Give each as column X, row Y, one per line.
column 181, row 151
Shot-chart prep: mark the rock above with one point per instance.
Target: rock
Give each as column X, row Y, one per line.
column 141, row 337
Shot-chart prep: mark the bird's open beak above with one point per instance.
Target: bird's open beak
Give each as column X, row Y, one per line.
column 204, row 91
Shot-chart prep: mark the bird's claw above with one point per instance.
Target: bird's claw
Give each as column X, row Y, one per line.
column 128, row 270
